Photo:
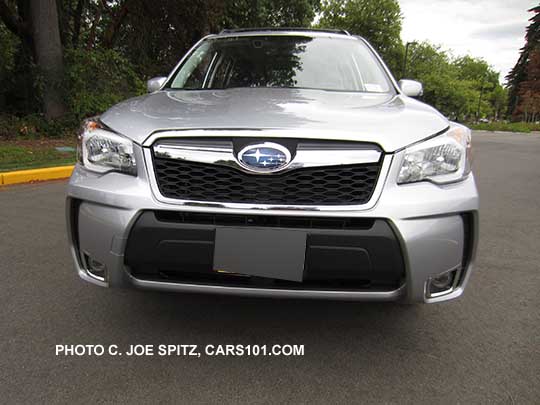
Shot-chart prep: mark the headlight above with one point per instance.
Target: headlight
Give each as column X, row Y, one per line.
column 103, row 151
column 444, row 159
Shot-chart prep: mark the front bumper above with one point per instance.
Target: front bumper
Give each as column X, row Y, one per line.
column 436, row 228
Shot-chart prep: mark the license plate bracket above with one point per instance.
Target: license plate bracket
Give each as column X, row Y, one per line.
column 262, row 252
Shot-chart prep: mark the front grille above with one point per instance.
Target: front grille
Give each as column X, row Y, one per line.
column 334, row 185
column 266, row 221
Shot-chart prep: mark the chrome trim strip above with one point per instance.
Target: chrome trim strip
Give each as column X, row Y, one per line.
column 392, row 295
column 82, row 272
column 285, row 32
column 267, row 134
column 335, row 157
column 221, row 153
column 449, row 290
column 87, row 270
column 383, row 174
column 201, row 154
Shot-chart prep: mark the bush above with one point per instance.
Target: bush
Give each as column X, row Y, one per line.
column 98, row 79
column 94, row 81
column 35, row 126
column 506, row 126
column 19, row 92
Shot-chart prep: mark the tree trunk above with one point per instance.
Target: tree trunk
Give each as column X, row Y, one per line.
column 48, row 52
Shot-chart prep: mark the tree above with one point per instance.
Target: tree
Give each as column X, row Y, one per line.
column 8, row 43
column 110, row 45
column 269, row 13
column 36, row 24
column 154, row 38
column 528, row 94
column 499, row 101
column 518, row 80
column 378, row 21
column 107, row 19
column 150, row 36
column 461, row 88
column 48, row 54
column 8, row 49
column 485, row 81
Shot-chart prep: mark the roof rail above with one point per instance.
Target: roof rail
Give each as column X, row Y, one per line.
column 240, row 30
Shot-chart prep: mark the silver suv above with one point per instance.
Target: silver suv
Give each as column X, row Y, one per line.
column 276, row 163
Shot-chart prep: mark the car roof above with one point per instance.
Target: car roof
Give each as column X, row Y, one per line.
column 312, row 32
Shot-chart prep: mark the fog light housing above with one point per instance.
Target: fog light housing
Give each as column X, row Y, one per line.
column 95, row 268
column 442, row 284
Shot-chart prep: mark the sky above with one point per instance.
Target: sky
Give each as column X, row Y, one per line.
column 491, row 29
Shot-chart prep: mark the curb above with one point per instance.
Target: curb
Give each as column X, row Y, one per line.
column 26, row 176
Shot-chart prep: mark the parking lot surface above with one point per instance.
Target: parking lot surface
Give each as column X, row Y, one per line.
column 483, row 348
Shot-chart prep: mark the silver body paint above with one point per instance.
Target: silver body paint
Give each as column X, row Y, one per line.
column 427, row 218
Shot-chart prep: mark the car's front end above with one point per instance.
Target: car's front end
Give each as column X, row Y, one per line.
column 277, row 192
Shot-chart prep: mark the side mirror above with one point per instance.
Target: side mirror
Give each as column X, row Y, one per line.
column 155, row 84
column 411, row 88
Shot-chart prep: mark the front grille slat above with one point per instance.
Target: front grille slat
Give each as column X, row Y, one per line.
column 277, row 221
column 332, row 185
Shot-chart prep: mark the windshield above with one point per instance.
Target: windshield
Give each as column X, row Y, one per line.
column 325, row 63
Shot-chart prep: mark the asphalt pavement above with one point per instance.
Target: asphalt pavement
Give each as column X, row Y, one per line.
column 482, row 348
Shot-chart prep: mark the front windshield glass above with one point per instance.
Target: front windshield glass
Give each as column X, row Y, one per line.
column 282, row 61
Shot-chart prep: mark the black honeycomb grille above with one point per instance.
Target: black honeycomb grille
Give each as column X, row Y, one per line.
column 335, row 185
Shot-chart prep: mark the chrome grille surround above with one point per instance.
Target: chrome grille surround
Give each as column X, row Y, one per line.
column 214, row 147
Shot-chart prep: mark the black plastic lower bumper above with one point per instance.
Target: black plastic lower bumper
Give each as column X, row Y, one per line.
column 339, row 253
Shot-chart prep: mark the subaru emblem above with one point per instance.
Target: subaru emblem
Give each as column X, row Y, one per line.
column 265, row 157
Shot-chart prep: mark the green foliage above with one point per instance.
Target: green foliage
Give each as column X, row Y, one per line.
column 523, row 80
column 525, row 127
column 19, row 82
column 157, row 34
column 111, row 46
column 456, row 86
column 8, row 48
column 499, row 100
column 97, row 79
column 378, row 21
column 35, row 126
column 168, row 35
column 8, row 43
column 269, row 13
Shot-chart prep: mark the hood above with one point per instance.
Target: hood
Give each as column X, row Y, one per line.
column 391, row 121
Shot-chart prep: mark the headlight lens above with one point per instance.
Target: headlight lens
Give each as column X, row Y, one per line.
column 444, row 159
column 103, row 151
